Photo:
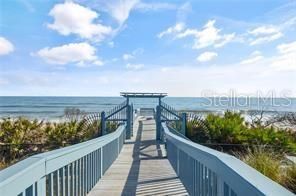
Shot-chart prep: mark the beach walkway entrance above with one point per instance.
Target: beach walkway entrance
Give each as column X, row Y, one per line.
column 141, row 168
column 137, row 153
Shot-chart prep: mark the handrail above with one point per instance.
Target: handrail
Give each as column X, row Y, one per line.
column 71, row 170
column 205, row 171
column 169, row 111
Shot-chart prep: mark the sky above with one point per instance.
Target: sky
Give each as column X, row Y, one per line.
column 184, row 48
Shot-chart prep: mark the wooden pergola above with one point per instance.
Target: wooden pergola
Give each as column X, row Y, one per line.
column 128, row 95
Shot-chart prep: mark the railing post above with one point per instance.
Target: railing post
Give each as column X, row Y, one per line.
column 184, row 121
column 132, row 119
column 41, row 186
column 158, row 122
column 128, row 122
column 103, row 123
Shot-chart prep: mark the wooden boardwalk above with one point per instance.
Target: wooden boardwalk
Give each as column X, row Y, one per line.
column 141, row 168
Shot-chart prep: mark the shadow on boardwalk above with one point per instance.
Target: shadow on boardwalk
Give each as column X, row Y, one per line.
column 141, row 168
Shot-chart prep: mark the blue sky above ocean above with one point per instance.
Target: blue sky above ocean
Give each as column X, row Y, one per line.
column 184, row 48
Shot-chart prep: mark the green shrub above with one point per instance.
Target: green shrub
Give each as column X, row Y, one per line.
column 232, row 129
column 61, row 133
column 16, row 132
column 20, row 130
column 226, row 129
column 197, row 131
column 22, row 137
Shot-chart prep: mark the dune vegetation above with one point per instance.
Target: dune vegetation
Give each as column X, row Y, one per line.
column 261, row 144
column 22, row 137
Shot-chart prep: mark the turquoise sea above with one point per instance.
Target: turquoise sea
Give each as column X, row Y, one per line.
column 53, row 107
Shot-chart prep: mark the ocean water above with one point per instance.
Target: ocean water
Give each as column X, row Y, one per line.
column 53, row 107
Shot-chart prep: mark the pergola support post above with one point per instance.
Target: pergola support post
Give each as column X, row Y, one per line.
column 128, row 122
column 158, row 122
column 184, row 123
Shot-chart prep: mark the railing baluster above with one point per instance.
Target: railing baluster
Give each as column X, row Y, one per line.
column 51, row 184
column 73, row 177
column 66, row 188
column 33, row 189
column 64, row 180
column 84, row 175
column 101, row 162
column 92, row 169
column 58, row 182
column 87, row 173
column 78, row 177
column 95, row 168
column 41, row 186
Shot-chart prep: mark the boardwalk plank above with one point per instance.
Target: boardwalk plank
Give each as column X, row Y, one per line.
column 141, row 168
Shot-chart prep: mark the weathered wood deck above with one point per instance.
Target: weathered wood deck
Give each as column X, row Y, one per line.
column 141, row 168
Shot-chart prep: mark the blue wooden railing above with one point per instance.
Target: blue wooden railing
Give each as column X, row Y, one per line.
column 72, row 170
column 166, row 113
column 124, row 112
column 207, row 172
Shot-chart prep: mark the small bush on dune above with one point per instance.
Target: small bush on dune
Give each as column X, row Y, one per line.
column 226, row 129
column 290, row 178
column 271, row 164
column 22, row 137
column 264, row 161
column 268, row 158
column 20, row 130
column 197, row 131
column 61, row 133
column 16, row 132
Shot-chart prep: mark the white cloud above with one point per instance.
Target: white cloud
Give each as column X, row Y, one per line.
column 120, row 9
column 183, row 11
column 286, row 60
column 79, row 53
column 283, row 61
column 208, row 36
column 264, row 34
column 263, row 30
column 134, row 66
column 172, row 30
column 90, row 64
column 206, row 56
column 155, row 6
column 256, row 53
column 72, row 18
column 254, row 58
column 225, row 40
column 287, row 48
column 127, row 57
column 175, row 80
column 6, row 46
column 133, row 54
